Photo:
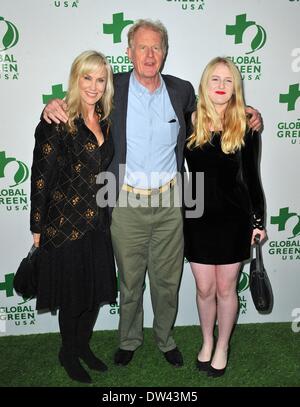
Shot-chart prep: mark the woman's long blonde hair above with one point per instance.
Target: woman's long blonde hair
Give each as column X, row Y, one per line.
column 233, row 125
column 87, row 62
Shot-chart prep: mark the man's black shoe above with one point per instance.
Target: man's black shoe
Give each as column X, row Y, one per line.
column 123, row 357
column 174, row 357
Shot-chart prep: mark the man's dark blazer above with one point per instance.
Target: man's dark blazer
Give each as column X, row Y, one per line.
column 183, row 100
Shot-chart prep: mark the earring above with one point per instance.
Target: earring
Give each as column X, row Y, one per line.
column 98, row 109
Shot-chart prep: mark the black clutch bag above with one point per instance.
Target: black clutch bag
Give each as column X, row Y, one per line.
column 26, row 278
column 260, row 286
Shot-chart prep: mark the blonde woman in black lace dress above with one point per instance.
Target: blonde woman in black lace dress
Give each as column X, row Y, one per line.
column 76, row 263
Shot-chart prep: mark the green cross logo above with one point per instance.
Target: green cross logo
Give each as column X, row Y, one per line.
column 57, row 92
column 11, row 35
column 282, row 218
column 7, row 285
column 116, row 27
column 291, row 97
column 22, row 172
column 239, row 28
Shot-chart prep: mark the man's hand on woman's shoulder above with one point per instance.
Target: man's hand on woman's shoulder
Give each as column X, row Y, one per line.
column 55, row 111
column 255, row 121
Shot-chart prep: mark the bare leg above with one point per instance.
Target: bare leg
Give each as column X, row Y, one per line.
column 227, row 303
column 205, row 278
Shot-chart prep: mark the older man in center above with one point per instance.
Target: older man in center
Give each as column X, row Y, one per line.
column 149, row 130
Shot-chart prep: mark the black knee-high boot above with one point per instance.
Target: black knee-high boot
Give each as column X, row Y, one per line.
column 85, row 327
column 68, row 356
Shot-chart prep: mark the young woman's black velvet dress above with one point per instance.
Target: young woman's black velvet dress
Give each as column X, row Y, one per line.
column 233, row 202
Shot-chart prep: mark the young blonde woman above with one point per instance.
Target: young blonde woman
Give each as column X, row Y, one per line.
column 226, row 151
column 76, row 263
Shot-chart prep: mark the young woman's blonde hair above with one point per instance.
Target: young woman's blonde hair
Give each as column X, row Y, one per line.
column 233, row 125
column 85, row 63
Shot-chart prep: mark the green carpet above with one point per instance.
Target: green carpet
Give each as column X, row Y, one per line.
column 261, row 355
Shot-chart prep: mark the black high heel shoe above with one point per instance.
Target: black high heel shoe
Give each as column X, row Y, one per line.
column 91, row 360
column 213, row 372
column 73, row 367
column 202, row 366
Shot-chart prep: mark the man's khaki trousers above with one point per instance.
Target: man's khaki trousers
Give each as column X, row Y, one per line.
column 147, row 236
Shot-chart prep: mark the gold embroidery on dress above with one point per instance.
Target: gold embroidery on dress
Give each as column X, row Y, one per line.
column 90, row 146
column 74, row 234
column 40, row 183
column 37, row 216
column 46, row 148
column 75, row 200
column 89, row 213
column 77, row 167
column 57, row 195
column 51, row 231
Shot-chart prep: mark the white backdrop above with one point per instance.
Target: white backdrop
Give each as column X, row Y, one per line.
column 38, row 41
